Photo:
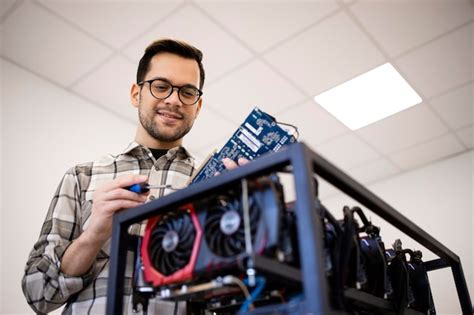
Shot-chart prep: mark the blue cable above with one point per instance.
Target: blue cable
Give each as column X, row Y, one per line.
column 260, row 284
column 296, row 298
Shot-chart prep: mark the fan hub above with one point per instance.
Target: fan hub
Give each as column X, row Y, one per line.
column 230, row 222
column 170, row 241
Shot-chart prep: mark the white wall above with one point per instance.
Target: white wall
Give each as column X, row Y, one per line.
column 439, row 199
column 1, row 182
column 45, row 130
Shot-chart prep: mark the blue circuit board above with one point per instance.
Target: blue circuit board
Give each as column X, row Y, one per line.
column 258, row 134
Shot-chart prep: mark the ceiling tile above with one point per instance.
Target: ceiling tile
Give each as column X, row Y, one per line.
column 208, row 129
column 409, row 127
column 375, row 170
column 325, row 55
column 40, row 41
column 315, row 125
column 109, row 85
column 221, row 51
column 399, row 27
column 456, row 108
column 347, row 151
column 261, row 27
column 254, row 85
column 467, row 136
column 427, row 152
column 114, row 22
column 440, row 65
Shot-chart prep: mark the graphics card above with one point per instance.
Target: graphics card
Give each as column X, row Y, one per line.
column 208, row 236
column 258, row 134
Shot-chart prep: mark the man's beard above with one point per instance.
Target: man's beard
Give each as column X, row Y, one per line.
column 147, row 119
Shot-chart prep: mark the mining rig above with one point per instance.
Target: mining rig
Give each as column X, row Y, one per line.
column 232, row 245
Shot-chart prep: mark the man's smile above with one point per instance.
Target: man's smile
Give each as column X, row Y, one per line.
column 169, row 115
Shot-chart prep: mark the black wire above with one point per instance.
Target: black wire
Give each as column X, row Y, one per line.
column 175, row 308
column 292, row 126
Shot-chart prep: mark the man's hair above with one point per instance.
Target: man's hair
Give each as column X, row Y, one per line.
column 172, row 46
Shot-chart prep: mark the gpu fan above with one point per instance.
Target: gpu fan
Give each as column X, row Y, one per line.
column 170, row 246
column 223, row 221
column 224, row 228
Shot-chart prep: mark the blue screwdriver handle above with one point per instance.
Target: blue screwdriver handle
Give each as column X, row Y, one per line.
column 138, row 188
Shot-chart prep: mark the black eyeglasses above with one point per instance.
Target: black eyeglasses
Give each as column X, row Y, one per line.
column 162, row 89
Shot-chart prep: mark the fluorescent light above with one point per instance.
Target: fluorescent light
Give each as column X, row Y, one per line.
column 369, row 97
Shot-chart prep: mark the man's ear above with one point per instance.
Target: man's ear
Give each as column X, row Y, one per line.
column 198, row 109
column 135, row 95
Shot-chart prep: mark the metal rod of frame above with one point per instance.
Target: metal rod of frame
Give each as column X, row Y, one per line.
column 461, row 288
column 118, row 254
column 309, row 228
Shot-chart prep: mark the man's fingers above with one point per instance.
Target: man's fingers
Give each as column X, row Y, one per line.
column 124, row 181
column 242, row 161
column 119, row 204
column 229, row 164
column 120, row 193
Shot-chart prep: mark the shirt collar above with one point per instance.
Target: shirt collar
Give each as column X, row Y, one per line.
column 141, row 152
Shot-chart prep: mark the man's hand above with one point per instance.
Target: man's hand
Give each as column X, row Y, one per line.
column 230, row 164
column 106, row 201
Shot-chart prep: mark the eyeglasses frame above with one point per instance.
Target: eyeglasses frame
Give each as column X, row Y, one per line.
column 173, row 87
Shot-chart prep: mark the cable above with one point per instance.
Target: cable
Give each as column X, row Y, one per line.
column 246, row 215
column 175, row 312
column 278, row 294
column 234, row 280
column 292, row 126
column 260, row 284
column 247, row 231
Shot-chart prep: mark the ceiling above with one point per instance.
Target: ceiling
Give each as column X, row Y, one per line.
column 276, row 55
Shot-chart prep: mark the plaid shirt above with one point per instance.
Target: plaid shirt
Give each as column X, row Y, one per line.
column 45, row 287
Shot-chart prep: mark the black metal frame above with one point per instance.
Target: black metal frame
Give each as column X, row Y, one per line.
column 304, row 163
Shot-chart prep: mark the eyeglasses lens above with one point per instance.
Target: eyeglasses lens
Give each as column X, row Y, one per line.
column 162, row 89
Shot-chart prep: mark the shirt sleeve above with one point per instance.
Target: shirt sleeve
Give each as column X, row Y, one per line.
column 45, row 287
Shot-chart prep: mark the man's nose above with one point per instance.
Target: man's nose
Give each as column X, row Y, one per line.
column 174, row 97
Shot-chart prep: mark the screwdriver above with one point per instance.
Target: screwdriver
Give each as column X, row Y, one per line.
column 144, row 187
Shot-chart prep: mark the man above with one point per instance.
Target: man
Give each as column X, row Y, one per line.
column 69, row 262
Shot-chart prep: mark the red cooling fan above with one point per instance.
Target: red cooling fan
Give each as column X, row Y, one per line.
column 170, row 246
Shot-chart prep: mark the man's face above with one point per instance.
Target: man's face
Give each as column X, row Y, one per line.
column 168, row 120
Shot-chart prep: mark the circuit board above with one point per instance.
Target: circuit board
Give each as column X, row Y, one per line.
column 258, row 134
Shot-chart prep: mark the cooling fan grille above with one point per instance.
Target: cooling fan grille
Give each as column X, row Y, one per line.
column 171, row 243
column 224, row 226
column 170, row 246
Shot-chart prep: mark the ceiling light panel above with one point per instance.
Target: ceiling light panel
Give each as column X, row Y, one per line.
column 369, row 97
